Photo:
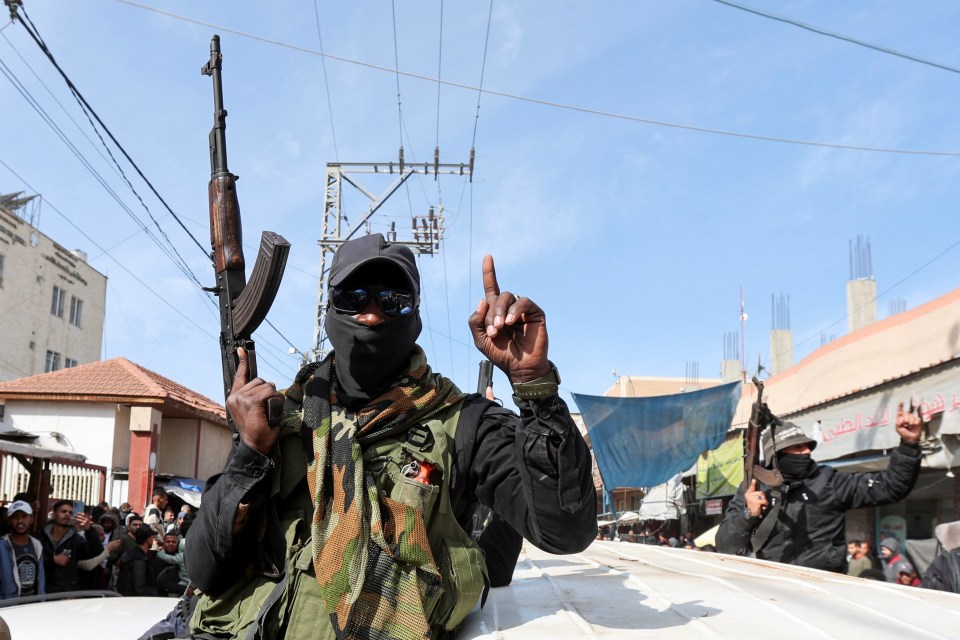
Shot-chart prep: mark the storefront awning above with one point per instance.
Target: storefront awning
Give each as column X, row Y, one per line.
column 866, row 423
column 664, row 501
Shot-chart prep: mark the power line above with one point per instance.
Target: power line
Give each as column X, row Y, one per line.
column 60, row 104
column 483, row 69
column 439, row 74
column 32, row 31
column 838, row 36
column 21, row 88
column 326, row 84
column 285, row 338
column 473, row 154
column 558, row 105
column 396, row 65
column 120, row 264
column 106, row 253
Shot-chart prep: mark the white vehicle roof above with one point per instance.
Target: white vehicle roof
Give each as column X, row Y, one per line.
column 86, row 618
column 612, row 590
column 626, row 590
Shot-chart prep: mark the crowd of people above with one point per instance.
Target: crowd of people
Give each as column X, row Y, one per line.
column 100, row 547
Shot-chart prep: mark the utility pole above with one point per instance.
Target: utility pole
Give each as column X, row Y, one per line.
column 426, row 230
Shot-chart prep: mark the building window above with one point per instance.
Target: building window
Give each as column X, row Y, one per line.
column 59, row 297
column 1, row 269
column 69, row 363
column 53, row 361
column 76, row 310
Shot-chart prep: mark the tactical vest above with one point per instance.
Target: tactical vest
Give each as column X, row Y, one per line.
column 290, row 605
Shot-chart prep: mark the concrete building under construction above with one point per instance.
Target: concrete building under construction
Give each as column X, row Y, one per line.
column 52, row 303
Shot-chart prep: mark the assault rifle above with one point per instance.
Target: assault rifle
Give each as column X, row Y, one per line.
column 243, row 305
column 760, row 418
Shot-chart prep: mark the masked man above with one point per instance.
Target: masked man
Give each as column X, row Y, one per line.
column 351, row 519
column 810, row 507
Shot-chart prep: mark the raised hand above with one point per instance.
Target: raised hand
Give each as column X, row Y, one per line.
column 510, row 331
column 909, row 424
column 81, row 521
column 247, row 406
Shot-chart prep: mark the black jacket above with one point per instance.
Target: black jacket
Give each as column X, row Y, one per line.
column 534, row 470
column 944, row 572
column 81, row 547
column 137, row 577
column 810, row 528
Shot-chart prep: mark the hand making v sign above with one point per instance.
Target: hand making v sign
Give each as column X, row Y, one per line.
column 510, row 331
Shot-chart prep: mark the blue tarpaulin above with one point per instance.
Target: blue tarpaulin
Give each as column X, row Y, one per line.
column 642, row 442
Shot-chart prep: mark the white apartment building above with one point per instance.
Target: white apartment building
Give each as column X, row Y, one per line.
column 52, row 302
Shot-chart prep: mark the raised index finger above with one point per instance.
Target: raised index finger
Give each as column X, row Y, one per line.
column 490, row 286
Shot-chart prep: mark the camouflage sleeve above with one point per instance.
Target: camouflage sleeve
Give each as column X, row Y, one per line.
column 216, row 556
column 534, row 470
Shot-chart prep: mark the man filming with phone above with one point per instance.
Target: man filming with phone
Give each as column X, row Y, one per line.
column 66, row 540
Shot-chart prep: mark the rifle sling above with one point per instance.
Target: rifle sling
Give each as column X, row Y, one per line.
column 769, row 521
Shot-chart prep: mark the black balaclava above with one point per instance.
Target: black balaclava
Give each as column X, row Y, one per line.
column 795, row 466
column 368, row 359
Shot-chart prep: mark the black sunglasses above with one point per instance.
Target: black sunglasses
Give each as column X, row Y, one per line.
column 393, row 302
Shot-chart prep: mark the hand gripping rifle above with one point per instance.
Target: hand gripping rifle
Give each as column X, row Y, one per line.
column 760, row 418
column 243, row 305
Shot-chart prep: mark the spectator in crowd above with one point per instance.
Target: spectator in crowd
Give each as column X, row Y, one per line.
column 906, row 574
column 153, row 514
column 128, row 539
column 137, row 577
column 858, row 563
column 125, row 510
column 169, row 519
column 890, row 550
column 31, row 500
column 110, row 522
column 944, row 572
column 795, row 530
column 21, row 555
column 867, row 547
column 173, row 578
column 66, row 540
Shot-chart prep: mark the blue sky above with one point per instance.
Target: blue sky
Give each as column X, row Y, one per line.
column 634, row 237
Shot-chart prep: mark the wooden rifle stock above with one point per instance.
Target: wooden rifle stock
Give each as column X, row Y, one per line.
column 243, row 305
